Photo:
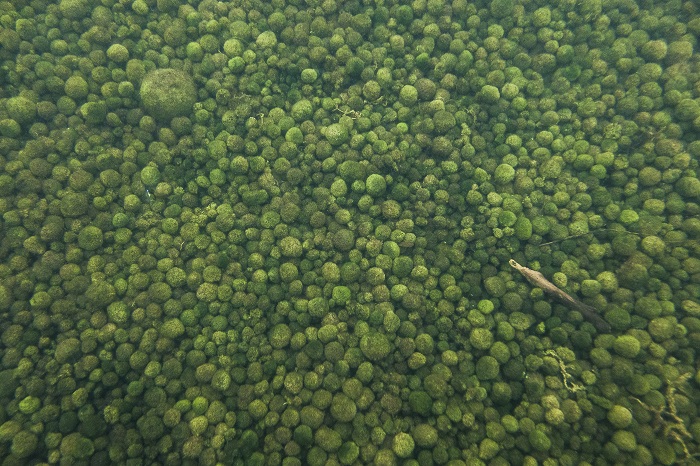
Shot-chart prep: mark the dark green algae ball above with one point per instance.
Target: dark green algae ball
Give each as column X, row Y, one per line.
column 168, row 93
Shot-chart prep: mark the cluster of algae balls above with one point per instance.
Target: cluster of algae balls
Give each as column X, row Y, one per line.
column 279, row 233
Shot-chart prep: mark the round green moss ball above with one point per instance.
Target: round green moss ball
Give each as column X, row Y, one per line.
column 168, row 93
column 425, row 435
column 74, row 9
column 337, row 134
column 504, row 173
column 403, row 445
column 172, row 328
column 280, row 335
column 481, row 338
column 343, row 408
column 90, row 238
column 408, row 95
column 20, row 109
column 302, row 110
column 375, row 185
column 375, row 346
column 539, row 440
column 619, row 416
column 150, row 175
column 76, row 87
column 627, row 346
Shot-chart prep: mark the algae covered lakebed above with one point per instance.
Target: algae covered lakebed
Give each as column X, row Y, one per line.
column 279, row 233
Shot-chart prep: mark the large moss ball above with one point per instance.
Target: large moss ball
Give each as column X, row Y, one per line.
column 375, row 346
column 168, row 93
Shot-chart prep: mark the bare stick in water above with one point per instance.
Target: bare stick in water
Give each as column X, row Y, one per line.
column 537, row 279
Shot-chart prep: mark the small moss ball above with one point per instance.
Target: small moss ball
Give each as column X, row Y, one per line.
column 375, row 185
column 619, row 416
column 168, row 93
column 425, row 435
column 90, row 238
column 403, row 445
column 627, row 346
column 337, row 134
column 539, row 440
column 375, row 346
column 20, row 109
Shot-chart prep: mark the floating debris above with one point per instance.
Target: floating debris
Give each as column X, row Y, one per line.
column 588, row 312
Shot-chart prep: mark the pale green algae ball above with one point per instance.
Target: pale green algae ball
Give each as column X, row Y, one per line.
column 375, row 346
column 266, row 40
column 403, row 445
column 375, row 185
column 504, row 173
column 150, row 175
column 167, row 93
column 425, row 435
column 172, row 328
column 627, row 346
column 90, row 238
column 337, row 134
column 619, row 416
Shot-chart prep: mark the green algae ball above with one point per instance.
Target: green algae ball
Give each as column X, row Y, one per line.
column 375, row 346
column 23, row 444
column 343, row 408
column 90, row 238
column 504, row 173
column 74, row 9
column 302, row 110
column 172, row 328
column 20, row 109
column 76, row 87
column 425, row 435
column 619, row 416
column 627, row 346
column 539, row 440
column 481, row 338
column 337, row 134
column 168, row 93
column 408, row 95
column 487, row 368
column 403, row 445
column 280, row 336
column 150, row 175
column 375, row 185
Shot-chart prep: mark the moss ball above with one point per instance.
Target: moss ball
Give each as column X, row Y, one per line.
column 502, row 8
column 280, row 336
column 539, row 440
column 504, row 173
column 688, row 187
column 74, row 9
column 487, row 368
column 619, row 416
column 375, row 185
column 90, row 238
column 302, row 110
column 375, row 346
column 20, row 109
column 168, row 93
column 490, row 94
column 343, row 408
column 150, row 175
column 337, row 134
column 481, row 338
column 627, row 346
column 425, row 435
column 76, row 87
column 266, row 40
column 662, row 328
column 625, row 440
column 172, row 328
column 290, row 247
column 23, row 444
column 403, row 445
column 408, row 95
